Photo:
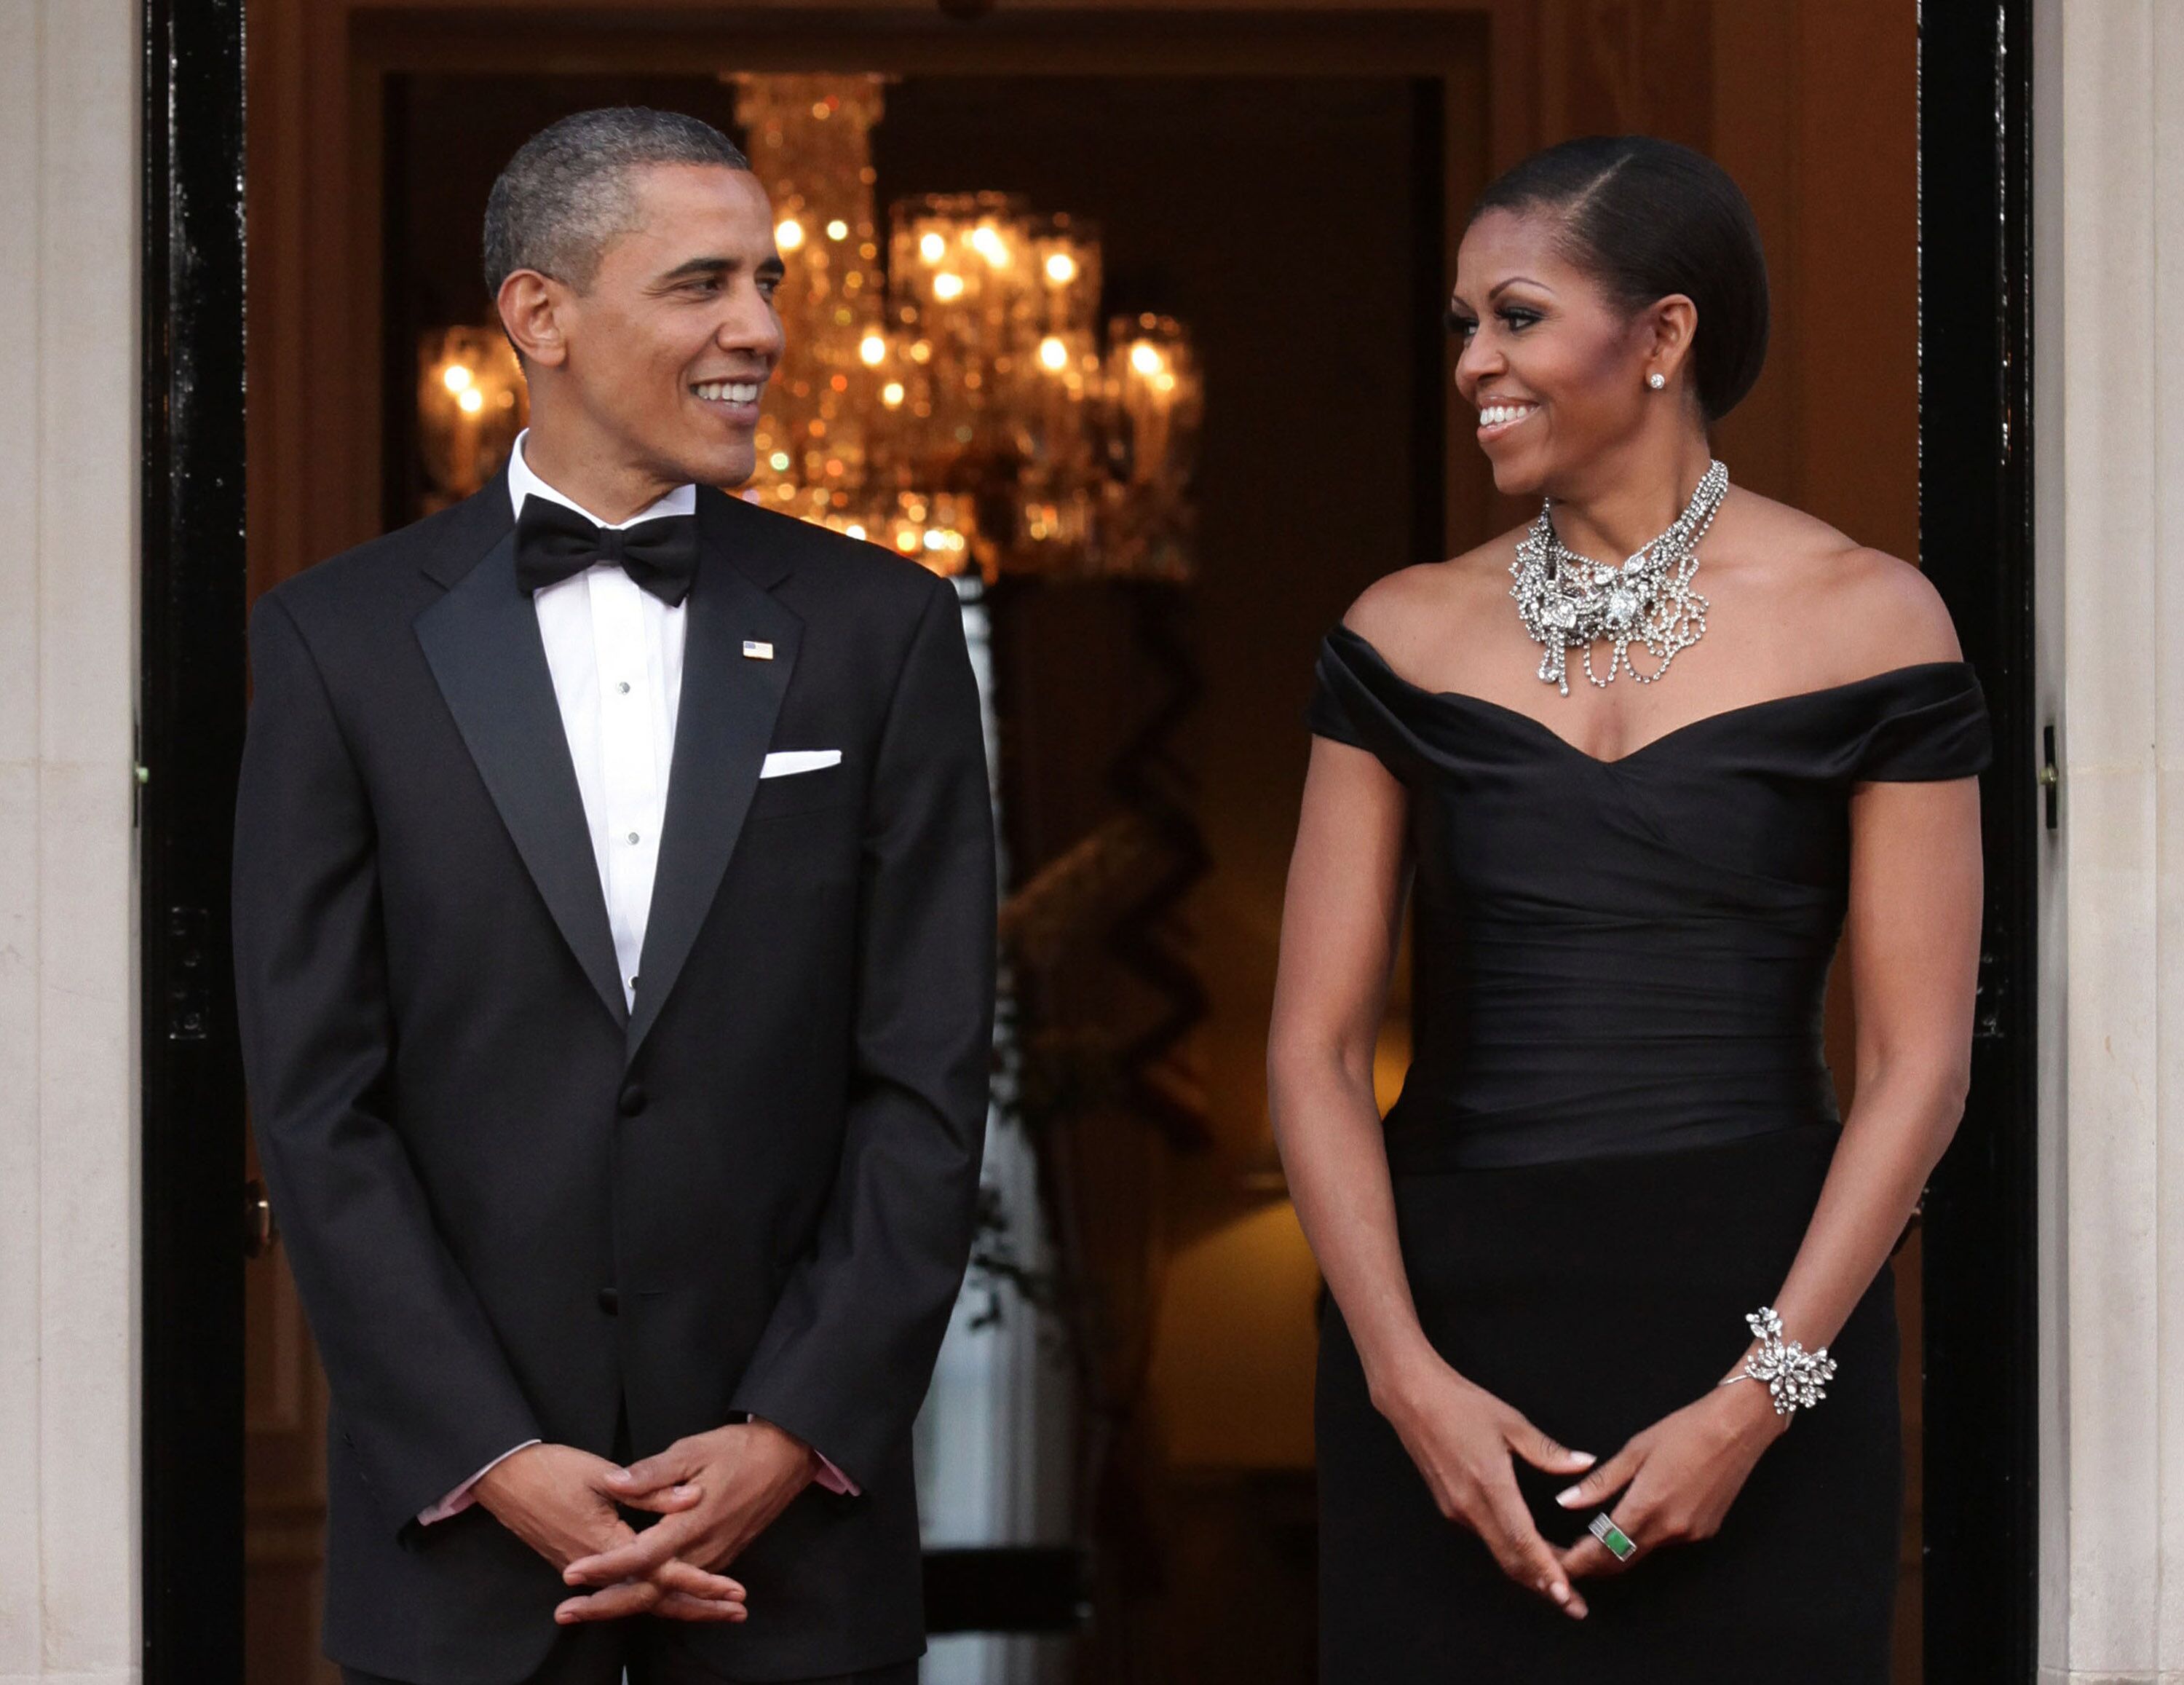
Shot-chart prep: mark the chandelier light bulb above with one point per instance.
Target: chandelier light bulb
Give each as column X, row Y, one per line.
column 1145, row 358
column 1061, row 269
column 891, row 395
column 838, row 230
column 789, row 234
column 873, row 350
column 947, row 286
column 471, row 400
column 991, row 247
column 456, row 378
column 1053, row 354
column 931, row 247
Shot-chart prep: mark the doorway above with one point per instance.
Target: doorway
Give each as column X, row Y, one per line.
column 327, row 412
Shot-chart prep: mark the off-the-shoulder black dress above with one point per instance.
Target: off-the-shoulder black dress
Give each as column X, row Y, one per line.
column 1610, row 1140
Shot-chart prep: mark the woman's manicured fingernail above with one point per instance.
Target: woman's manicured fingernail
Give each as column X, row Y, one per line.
column 1585, row 1459
column 1566, row 1497
column 1561, row 1594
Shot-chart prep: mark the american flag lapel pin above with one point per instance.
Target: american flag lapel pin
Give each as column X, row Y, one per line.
column 754, row 651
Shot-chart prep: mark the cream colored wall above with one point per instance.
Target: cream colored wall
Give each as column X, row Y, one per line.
column 69, row 1487
column 2108, row 344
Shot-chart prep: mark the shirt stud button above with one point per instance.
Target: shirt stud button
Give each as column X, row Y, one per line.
column 623, row 687
column 632, row 836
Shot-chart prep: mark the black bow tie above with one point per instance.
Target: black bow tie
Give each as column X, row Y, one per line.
column 553, row 543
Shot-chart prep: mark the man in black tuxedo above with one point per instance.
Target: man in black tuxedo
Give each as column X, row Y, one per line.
column 615, row 924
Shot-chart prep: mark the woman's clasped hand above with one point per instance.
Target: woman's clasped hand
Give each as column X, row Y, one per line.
column 1677, row 1478
column 1464, row 1440
column 1672, row 1483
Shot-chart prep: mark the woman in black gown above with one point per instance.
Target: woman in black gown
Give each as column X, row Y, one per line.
column 1616, row 1140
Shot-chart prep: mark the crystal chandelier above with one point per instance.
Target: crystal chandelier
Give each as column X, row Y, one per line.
column 959, row 405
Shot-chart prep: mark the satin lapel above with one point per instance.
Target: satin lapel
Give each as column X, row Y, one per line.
column 722, row 728
column 482, row 640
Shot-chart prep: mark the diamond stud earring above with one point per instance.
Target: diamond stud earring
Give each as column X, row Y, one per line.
column 1656, row 380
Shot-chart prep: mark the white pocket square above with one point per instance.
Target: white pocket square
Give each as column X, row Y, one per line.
column 783, row 761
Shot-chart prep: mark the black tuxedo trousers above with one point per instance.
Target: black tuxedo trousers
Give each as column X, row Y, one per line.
column 516, row 1209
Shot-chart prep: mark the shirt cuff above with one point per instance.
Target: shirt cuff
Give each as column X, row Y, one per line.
column 834, row 1479
column 464, row 1495
column 828, row 1475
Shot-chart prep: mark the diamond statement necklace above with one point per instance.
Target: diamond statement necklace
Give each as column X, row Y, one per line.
column 1569, row 602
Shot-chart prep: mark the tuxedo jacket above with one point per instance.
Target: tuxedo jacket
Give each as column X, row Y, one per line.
column 516, row 1208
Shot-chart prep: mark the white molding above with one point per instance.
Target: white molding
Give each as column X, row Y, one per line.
column 2109, row 128
column 2049, row 1675
column 70, row 1219
column 127, row 1677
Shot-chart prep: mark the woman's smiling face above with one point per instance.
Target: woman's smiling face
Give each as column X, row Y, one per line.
column 1555, row 367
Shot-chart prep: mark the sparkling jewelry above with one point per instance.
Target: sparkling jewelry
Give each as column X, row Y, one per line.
column 1795, row 1378
column 1566, row 601
column 1617, row 1540
column 1656, row 380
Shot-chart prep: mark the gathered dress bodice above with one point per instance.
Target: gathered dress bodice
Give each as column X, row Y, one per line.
column 1628, row 956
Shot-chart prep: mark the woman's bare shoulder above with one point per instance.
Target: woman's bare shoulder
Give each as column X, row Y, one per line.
column 1414, row 614
column 1906, row 621
column 1866, row 610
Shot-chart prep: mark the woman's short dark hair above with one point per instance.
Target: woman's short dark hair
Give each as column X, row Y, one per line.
column 1646, row 218
column 566, row 194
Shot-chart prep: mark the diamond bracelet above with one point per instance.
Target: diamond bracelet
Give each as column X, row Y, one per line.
column 1797, row 1379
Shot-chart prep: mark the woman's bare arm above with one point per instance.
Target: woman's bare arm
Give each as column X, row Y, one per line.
column 1340, row 925
column 1912, row 935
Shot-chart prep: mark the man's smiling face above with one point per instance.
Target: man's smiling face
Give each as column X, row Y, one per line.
column 670, row 346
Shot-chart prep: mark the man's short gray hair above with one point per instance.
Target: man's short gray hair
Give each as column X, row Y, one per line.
column 567, row 193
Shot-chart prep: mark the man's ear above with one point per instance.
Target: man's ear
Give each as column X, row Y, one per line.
column 531, row 309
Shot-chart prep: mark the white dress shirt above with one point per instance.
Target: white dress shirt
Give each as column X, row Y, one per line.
column 615, row 652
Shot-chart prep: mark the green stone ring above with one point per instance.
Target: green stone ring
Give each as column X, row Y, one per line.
column 1613, row 1537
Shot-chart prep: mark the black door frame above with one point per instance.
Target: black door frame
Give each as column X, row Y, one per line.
column 190, row 740
column 1975, row 483
column 1975, row 542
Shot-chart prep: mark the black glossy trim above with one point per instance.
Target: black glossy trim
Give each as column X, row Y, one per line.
column 1976, row 541
column 190, row 735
